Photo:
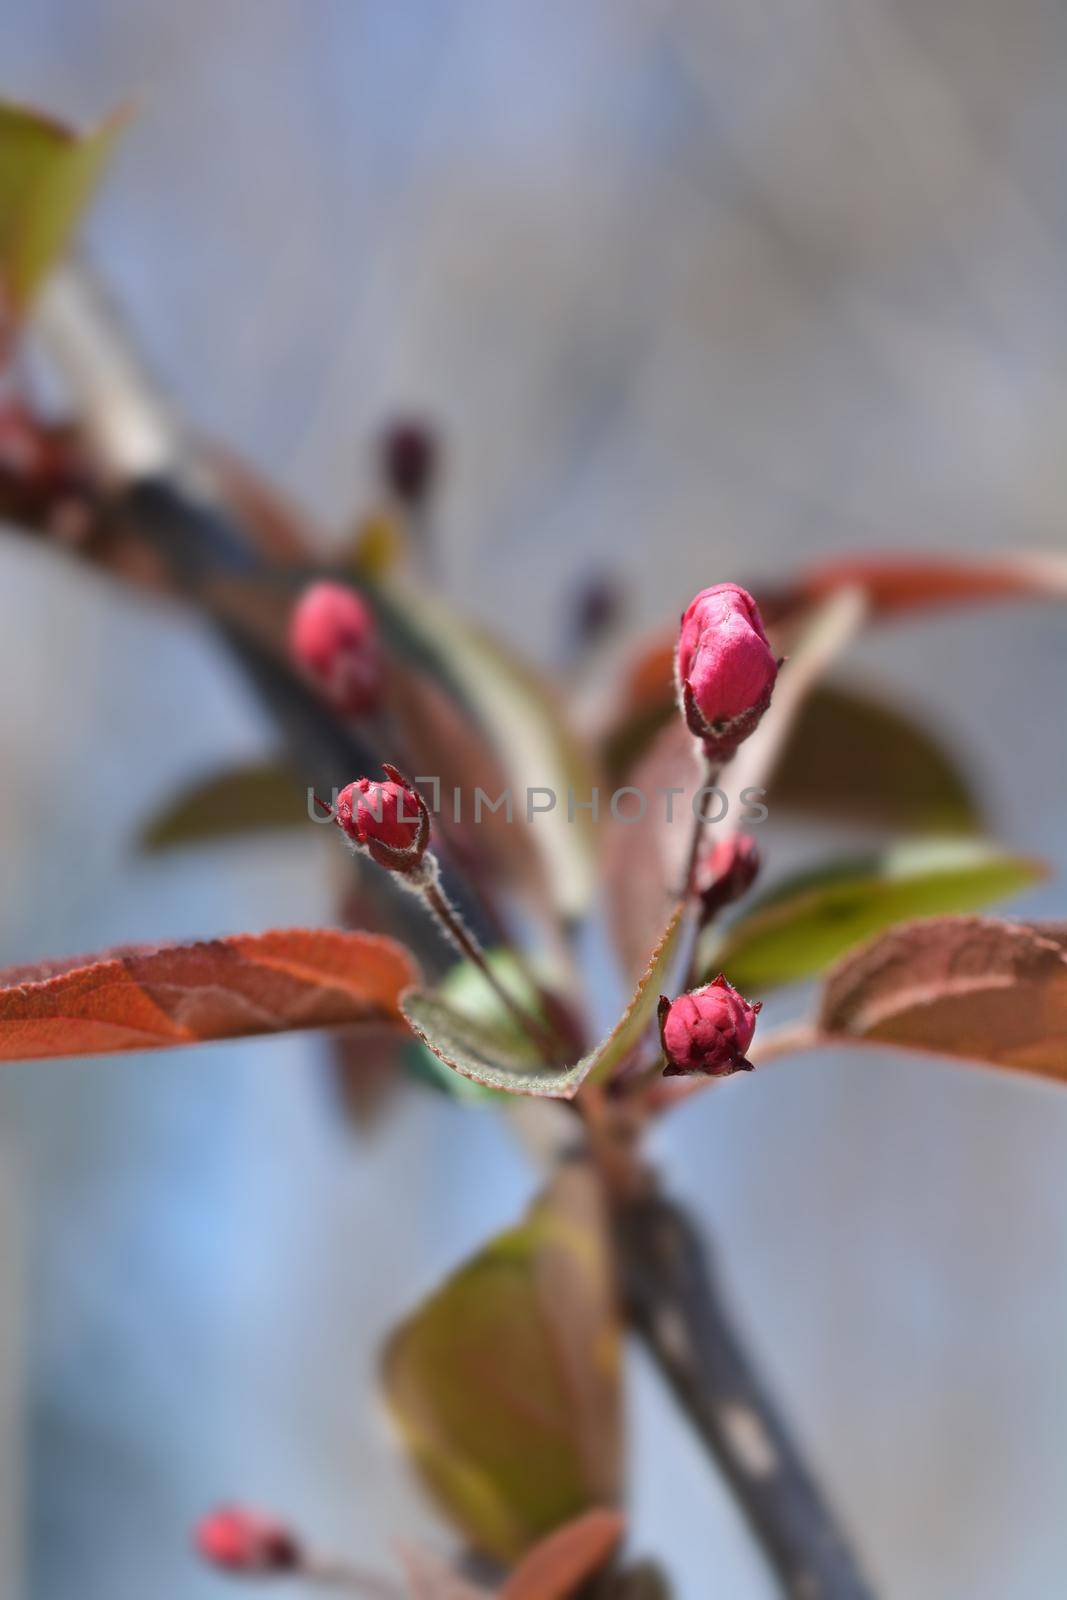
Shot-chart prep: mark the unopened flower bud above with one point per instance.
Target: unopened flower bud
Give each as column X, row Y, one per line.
column 726, row 871
column 334, row 640
column 390, row 820
column 707, row 1031
column 247, row 1542
column 409, row 456
column 726, row 668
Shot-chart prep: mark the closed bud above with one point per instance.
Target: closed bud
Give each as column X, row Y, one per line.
column 409, row 456
column 333, row 639
column 725, row 668
column 243, row 1541
column 389, row 821
column 707, row 1031
column 726, row 871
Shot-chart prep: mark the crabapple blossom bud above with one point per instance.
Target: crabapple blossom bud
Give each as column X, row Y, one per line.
column 707, row 1031
column 725, row 872
column 334, row 640
column 388, row 820
column 725, row 668
column 244, row 1541
column 409, row 455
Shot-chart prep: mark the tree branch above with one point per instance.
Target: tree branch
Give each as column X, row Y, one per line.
column 676, row 1305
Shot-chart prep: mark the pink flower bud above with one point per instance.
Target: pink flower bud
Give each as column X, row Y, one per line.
column 726, row 668
column 388, row 820
column 244, row 1541
column 707, row 1031
column 726, row 871
column 334, row 640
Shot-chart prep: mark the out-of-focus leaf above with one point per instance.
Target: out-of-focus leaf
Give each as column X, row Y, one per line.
column 47, row 175
column 247, row 984
column 899, row 584
column 496, row 850
column 529, row 734
column 647, row 700
column 643, row 855
column 502, row 1061
column 809, row 921
column 555, row 1568
column 505, row 1382
column 851, row 757
column 990, row 991
column 262, row 796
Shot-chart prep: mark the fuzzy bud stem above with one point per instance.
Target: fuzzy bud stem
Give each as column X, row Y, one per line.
column 457, row 932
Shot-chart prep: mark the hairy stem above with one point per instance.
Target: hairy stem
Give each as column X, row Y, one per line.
column 687, row 944
column 676, row 1305
column 327, row 1573
column 460, row 935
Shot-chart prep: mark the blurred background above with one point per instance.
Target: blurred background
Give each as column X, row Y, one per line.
column 694, row 290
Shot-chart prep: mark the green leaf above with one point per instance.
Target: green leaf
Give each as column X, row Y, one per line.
column 504, row 1061
column 505, row 1382
column 854, row 758
column 47, row 175
column 251, row 799
column 812, row 919
column 466, row 993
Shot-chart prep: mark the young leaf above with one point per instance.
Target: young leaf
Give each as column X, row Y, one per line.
column 466, row 994
column 251, row 799
column 961, row 986
column 852, row 757
column 494, row 1057
column 47, row 175
column 557, row 1567
column 505, row 1383
column 810, row 920
column 143, row 999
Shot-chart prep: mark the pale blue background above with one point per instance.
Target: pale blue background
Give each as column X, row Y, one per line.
column 699, row 290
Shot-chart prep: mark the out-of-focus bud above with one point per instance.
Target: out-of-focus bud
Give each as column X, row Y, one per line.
column 707, row 1031
column 726, row 871
column 334, row 640
column 390, row 821
column 247, row 1542
column 409, row 460
column 725, row 668
column 598, row 608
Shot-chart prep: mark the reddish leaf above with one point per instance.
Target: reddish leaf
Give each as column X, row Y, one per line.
column 142, row 999
column 961, row 986
column 555, row 1568
column 898, row 584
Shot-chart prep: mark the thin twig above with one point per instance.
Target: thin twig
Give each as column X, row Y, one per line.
column 676, row 1305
